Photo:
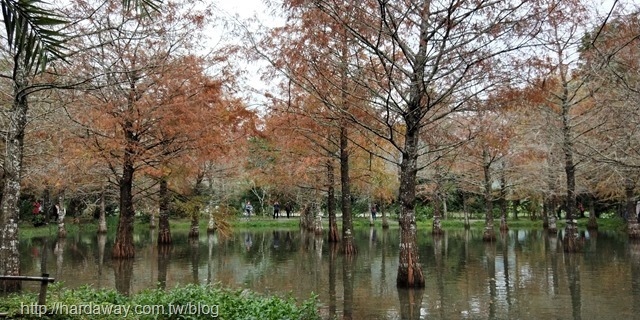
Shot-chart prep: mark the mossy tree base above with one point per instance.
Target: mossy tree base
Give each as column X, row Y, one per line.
column 410, row 276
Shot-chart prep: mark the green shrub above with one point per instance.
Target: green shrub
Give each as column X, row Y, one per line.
column 187, row 302
column 424, row 212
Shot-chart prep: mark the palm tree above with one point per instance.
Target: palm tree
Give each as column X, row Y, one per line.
column 33, row 40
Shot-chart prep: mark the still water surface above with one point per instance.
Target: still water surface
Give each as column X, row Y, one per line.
column 523, row 275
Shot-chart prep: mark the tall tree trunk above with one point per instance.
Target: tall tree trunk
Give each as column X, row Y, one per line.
column 437, row 224
column 633, row 226
column 164, row 234
column 211, row 225
column 553, row 226
column 383, row 212
column 12, row 179
column 102, row 221
column 123, row 246
column 348, row 244
column 545, row 212
column 489, row 232
column 62, row 213
column 551, row 201
column 317, row 220
column 331, row 203
column 152, row 218
column 194, row 230
column 409, row 269
column 571, row 239
column 503, row 203
column 445, row 210
column 592, row 225
column 465, row 210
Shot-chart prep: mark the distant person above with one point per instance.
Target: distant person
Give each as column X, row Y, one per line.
column 276, row 210
column 287, row 209
column 248, row 208
column 38, row 217
column 37, row 208
column 374, row 211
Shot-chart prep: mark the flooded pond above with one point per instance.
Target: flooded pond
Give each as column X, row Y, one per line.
column 524, row 274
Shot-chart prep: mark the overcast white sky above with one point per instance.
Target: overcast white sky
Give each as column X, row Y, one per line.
column 243, row 10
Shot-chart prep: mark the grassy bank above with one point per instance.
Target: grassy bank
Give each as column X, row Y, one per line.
column 259, row 222
column 187, row 302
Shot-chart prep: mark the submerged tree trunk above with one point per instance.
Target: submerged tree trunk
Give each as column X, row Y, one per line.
column 348, row 244
column 503, row 203
column 331, row 203
column 385, row 220
column 437, row 224
column 571, row 239
column 102, row 220
column 633, row 225
column 62, row 212
column 489, row 232
column 409, row 269
column 553, row 226
column 445, row 210
column 317, row 221
column 123, row 246
column 194, row 230
column 211, row 225
column 152, row 219
column 164, row 232
column 592, row 225
column 545, row 212
column 465, row 210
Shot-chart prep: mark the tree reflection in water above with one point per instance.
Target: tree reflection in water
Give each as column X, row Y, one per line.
column 123, row 273
column 525, row 273
column 164, row 256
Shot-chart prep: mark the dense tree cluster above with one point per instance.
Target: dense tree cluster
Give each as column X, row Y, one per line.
column 120, row 107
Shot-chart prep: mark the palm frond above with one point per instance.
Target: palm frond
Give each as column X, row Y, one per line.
column 31, row 33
